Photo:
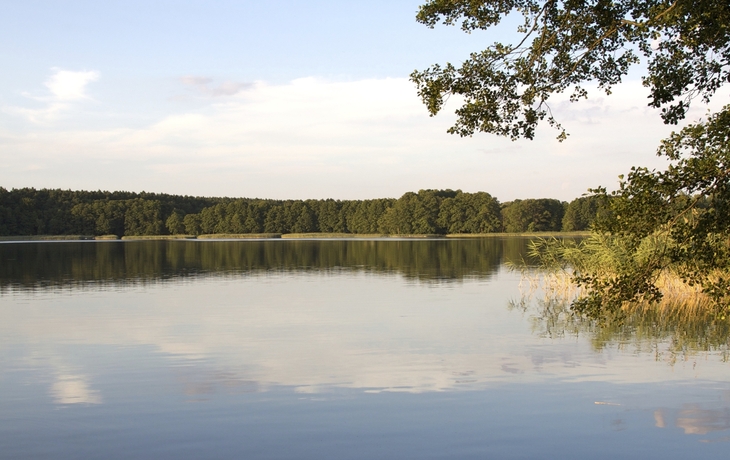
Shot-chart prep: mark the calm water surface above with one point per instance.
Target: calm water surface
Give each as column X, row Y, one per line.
column 334, row 349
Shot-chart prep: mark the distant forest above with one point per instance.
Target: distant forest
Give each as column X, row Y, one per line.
column 28, row 211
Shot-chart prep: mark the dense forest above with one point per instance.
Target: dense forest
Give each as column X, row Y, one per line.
column 28, row 211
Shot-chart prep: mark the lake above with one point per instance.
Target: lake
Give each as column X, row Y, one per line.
column 342, row 349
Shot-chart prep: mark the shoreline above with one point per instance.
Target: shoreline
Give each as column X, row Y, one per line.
column 262, row 236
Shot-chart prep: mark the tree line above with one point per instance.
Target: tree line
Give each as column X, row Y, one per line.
column 28, row 211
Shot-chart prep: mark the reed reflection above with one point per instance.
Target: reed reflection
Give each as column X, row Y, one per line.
column 670, row 331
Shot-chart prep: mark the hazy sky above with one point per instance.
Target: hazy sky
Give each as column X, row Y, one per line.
column 275, row 99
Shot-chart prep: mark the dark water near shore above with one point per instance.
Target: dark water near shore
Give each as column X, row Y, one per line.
column 28, row 265
column 330, row 349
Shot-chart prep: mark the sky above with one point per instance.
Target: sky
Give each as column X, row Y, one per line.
column 278, row 99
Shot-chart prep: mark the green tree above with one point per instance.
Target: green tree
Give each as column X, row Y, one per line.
column 360, row 220
column 470, row 213
column 426, row 212
column 275, row 221
column 398, row 219
column 329, row 216
column 101, row 217
column 255, row 219
column 415, row 213
column 367, row 215
column 681, row 214
column 303, row 218
column 533, row 215
column 175, row 223
column 674, row 220
column 563, row 44
column 51, row 211
column 581, row 212
column 143, row 217
column 111, row 216
column 7, row 221
column 212, row 219
column 192, row 224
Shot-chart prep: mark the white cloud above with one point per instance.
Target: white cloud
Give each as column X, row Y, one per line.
column 203, row 86
column 314, row 138
column 66, row 85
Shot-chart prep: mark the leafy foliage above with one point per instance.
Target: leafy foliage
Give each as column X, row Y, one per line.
column 470, row 213
column 658, row 223
column 581, row 212
column 686, row 206
column 563, row 44
column 541, row 215
column 675, row 221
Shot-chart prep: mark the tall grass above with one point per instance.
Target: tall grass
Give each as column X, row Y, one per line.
column 608, row 257
column 683, row 321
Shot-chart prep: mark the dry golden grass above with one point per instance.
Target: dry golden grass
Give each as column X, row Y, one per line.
column 238, row 236
column 106, row 237
column 554, row 285
column 357, row 235
column 159, row 237
column 331, row 235
column 677, row 296
column 684, row 323
column 531, row 235
column 45, row 238
column 679, row 300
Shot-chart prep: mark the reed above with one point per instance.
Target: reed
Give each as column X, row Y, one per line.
column 106, row 237
column 603, row 264
column 159, row 237
column 357, row 235
column 677, row 296
column 238, row 236
column 332, row 235
column 524, row 234
column 676, row 328
column 46, row 238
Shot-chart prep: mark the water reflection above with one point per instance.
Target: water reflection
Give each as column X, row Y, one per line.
column 670, row 335
column 38, row 264
column 694, row 419
column 314, row 332
column 73, row 389
column 333, row 350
